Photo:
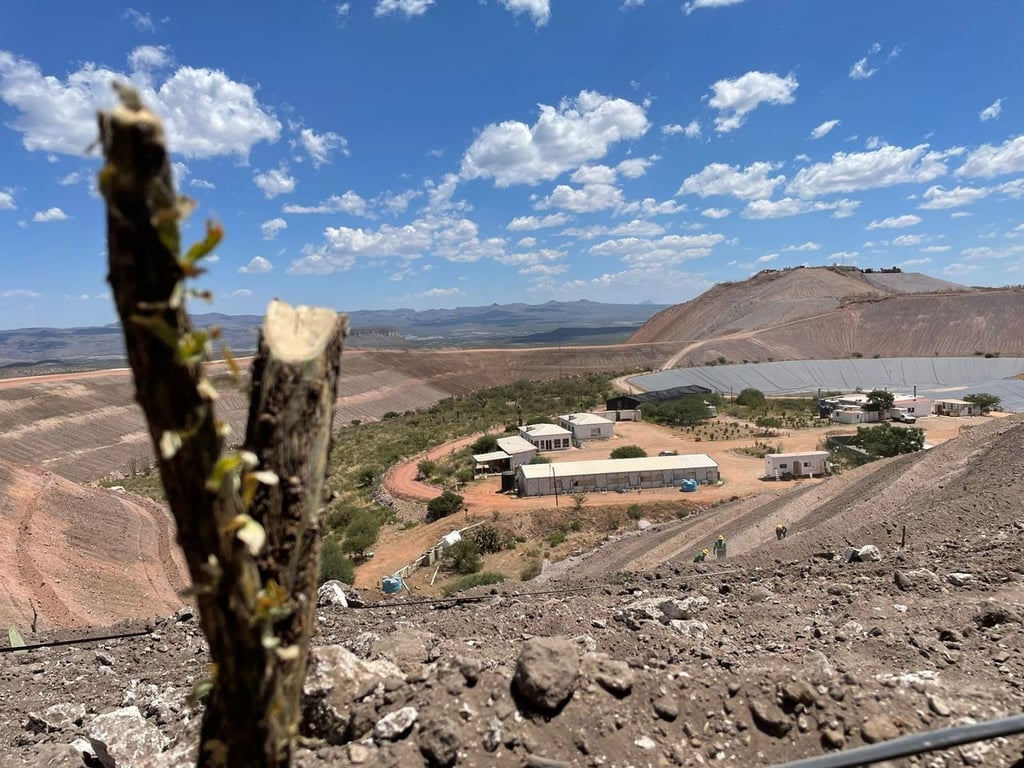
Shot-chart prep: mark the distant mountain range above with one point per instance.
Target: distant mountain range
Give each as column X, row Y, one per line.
column 563, row 322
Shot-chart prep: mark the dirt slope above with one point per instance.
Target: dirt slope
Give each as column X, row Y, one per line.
column 822, row 313
column 776, row 654
column 79, row 556
column 85, row 426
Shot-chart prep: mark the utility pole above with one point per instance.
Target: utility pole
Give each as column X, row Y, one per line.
column 554, row 483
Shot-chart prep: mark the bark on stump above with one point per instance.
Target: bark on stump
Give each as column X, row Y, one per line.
column 256, row 598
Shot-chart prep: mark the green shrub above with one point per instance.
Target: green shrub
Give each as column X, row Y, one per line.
column 531, row 570
column 487, row 538
column 361, row 533
column 576, row 525
column 634, row 511
column 473, row 580
column 556, row 537
column 628, row 452
column 448, row 503
column 463, row 557
column 425, row 469
column 484, row 444
column 334, row 564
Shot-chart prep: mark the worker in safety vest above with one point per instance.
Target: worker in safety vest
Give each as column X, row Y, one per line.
column 720, row 547
column 701, row 556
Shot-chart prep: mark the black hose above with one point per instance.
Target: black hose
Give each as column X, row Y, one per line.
column 914, row 744
column 79, row 641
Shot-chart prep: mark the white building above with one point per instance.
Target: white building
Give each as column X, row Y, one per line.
column 915, row 406
column 615, row 474
column 512, row 451
column 956, row 408
column 806, row 464
column 547, row 437
column 587, row 426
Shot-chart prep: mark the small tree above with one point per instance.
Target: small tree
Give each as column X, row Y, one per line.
column 578, row 500
column 628, row 452
column 887, row 440
column 879, row 401
column 984, row 400
column 448, row 503
column 425, row 469
column 484, row 444
column 488, row 538
column 334, row 564
column 361, row 533
column 768, row 423
column 753, row 399
column 463, row 557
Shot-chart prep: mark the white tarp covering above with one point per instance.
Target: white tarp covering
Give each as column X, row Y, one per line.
column 934, row 377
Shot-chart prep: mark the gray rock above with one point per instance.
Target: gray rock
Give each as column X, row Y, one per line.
column 666, row 708
column 128, row 737
column 395, row 725
column 336, row 680
column 358, row 753
column 939, row 706
column 332, row 593
column 903, row 581
column 832, row 738
column 439, row 742
column 958, row 579
column 759, row 594
column 58, row 717
column 696, row 630
column 769, row 718
column 795, row 692
column 546, row 672
column 614, row 676
column 878, row 728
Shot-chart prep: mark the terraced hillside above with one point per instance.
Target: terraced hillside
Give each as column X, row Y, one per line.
column 824, row 313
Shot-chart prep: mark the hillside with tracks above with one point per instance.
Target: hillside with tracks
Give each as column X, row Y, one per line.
column 827, row 313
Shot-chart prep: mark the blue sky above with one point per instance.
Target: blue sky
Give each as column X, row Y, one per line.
column 437, row 153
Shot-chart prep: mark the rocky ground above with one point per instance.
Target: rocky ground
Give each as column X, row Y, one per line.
column 785, row 652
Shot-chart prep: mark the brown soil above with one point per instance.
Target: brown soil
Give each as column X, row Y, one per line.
column 790, row 651
column 822, row 313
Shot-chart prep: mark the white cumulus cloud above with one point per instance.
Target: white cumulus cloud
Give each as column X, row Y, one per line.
column 862, row 69
column 349, row 202
column 578, row 131
column 691, row 130
column 408, row 8
column 735, row 99
column 257, row 266
column 19, row 293
column 810, row 245
column 716, row 213
column 320, row 146
column 883, row 167
column 693, row 5
column 275, row 182
column 50, row 214
column 790, row 206
column 588, row 198
column 748, row 183
column 150, row 57
column 988, row 160
column 938, row 197
column 205, row 112
column 824, row 129
column 539, row 10
column 895, row 222
column 662, row 251
column 528, row 223
column 992, row 111
column 272, row 227
column 908, row 240
column 7, row 200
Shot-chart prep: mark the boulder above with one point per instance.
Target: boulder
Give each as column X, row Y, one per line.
column 546, row 672
column 127, row 735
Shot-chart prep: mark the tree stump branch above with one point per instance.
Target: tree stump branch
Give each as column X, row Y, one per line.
column 255, row 594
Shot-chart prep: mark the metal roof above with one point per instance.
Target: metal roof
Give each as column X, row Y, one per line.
column 934, row 377
column 515, row 444
column 585, row 418
column 546, row 430
column 483, row 458
column 797, row 453
column 608, row 466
